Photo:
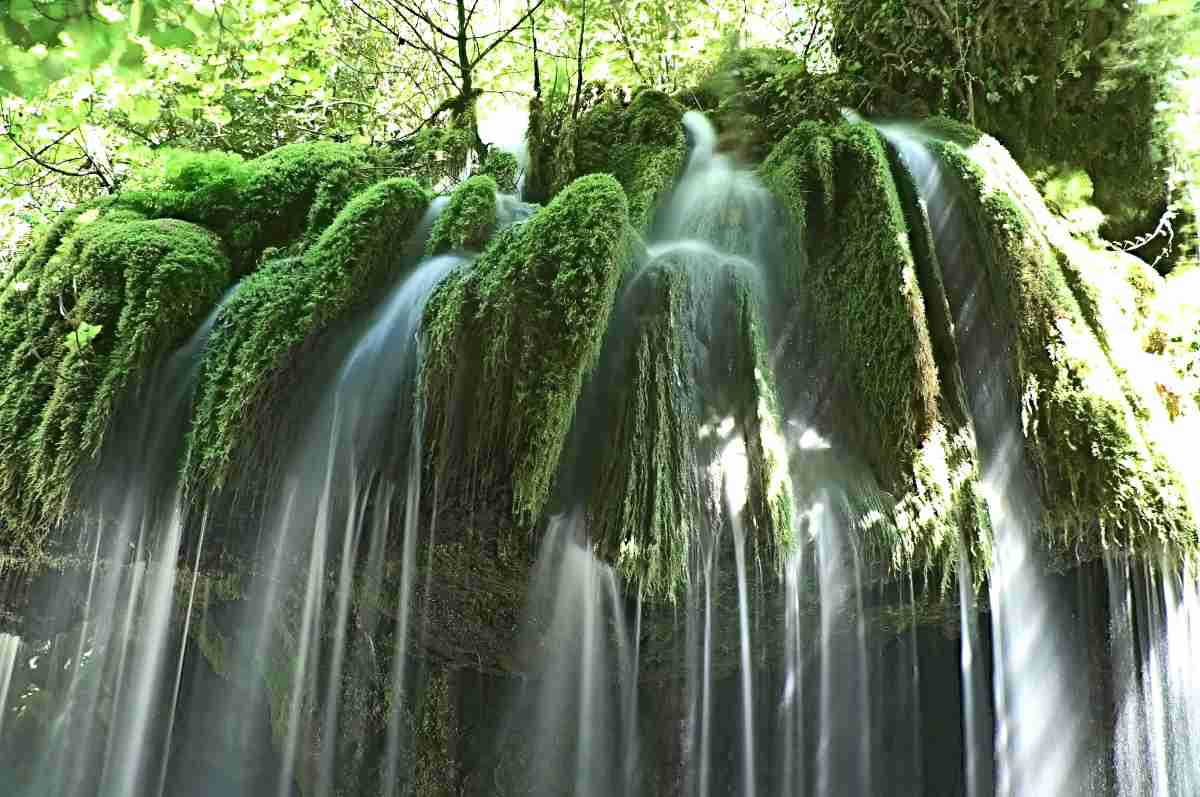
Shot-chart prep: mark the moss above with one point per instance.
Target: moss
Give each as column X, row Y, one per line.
column 286, row 197
column 874, row 317
column 758, row 94
column 435, row 155
column 284, row 304
column 642, row 145
column 799, row 173
column 878, row 363
column 503, row 168
column 652, row 153
column 117, row 292
column 469, row 220
column 510, row 340
column 436, row 763
column 690, row 357
column 1102, row 482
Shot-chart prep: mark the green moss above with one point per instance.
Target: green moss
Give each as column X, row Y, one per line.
column 284, row 304
column 469, row 220
column 651, row 154
column 1101, row 481
column 674, row 406
column 503, row 168
column 510, row 340
column 874, row 316
column 436, row 763
column 799, row 173
column 882, row 345
column 286, row 197
column 759, row 94
column 642, row 145
column 116, row 292
column 436, row 154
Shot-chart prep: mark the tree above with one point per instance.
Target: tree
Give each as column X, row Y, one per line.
column 448, row 42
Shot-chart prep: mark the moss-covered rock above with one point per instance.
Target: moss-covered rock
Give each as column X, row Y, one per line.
column 1103, row 480
column 865, row 366
column 642, row 145
column 757, row 95
column 114, row 293
column 509, row 342
column 686, row 395
column 503, row 168
column 469, row 220
column 286, row 197
column 284, row 304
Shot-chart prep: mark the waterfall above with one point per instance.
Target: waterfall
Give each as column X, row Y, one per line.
column 356, row 466
column 134, row 531
column 1154, row 644
column 578, row 705
column 702, row 608
column 1040, row 705
column 10, row 648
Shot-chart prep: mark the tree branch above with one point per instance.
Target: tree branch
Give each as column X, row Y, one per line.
column 579, row 59
column 528, row 13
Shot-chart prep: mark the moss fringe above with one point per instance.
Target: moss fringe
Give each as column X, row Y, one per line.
column 280, row 307
column 509, row 342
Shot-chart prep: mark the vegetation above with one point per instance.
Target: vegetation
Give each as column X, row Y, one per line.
column 282, row 305
column 103, row 295
column 512, row 338
column 164, row 150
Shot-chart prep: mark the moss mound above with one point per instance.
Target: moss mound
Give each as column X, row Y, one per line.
column 503, row 168
column 509, row 342
column 676, row 407
column 642, row 145
column 469, row 220
column 102, row 295
column 287, row 196
column 283, row 305
column 1103, row 480
column 863, row 360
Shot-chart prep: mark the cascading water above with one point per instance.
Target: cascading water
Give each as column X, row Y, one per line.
column 811, row 677
column 1155, row 644
column 10, row 648
column 1040, row 703
column 134, row 533
column 580, row 704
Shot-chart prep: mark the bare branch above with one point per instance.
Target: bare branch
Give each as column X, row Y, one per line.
column 528, row 13
column 579, row 59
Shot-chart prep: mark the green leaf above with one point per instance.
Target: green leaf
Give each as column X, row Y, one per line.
column 81, row 336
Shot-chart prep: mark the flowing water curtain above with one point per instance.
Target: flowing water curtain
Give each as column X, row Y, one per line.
column 348, row 486
column 10, row 648
column 1154, row 641
column 573, row 720
column 134, row 532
